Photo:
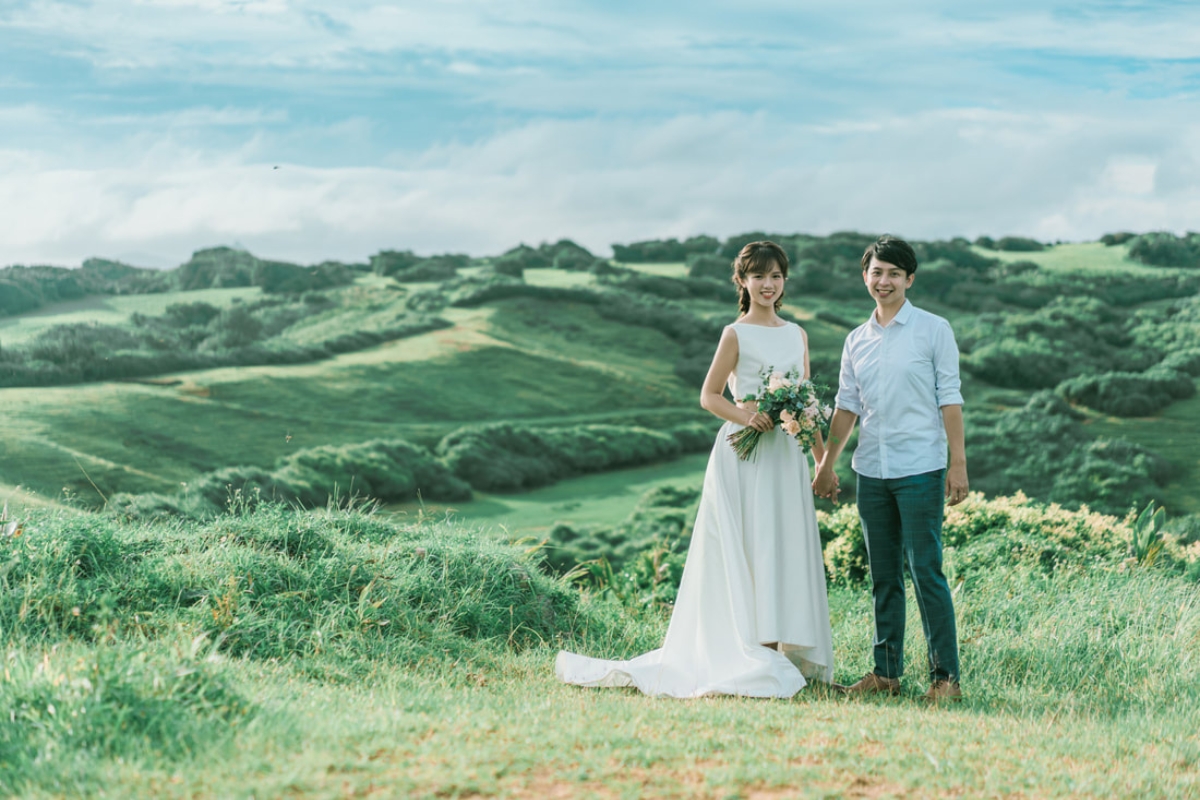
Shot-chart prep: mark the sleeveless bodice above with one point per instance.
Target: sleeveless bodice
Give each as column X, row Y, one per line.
column 780, row 349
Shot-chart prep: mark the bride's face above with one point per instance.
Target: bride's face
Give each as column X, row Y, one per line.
column 764, row 287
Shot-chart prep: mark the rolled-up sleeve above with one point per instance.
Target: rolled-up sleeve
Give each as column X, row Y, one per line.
column 948, row 384
column 849, row 397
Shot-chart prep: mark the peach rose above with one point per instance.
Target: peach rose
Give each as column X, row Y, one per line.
column 791, row 427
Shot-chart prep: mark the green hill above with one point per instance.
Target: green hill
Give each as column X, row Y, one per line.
column 558, row 338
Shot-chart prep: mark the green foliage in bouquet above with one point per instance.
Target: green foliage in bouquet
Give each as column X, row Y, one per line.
column 793, row 403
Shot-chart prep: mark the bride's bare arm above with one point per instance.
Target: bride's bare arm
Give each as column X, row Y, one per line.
column 712, row 396
column 818, row 448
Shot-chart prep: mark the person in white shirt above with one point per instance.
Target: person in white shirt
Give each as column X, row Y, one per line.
column 899, row 379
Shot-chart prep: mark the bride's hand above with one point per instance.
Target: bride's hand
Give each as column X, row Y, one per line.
column 761, row 422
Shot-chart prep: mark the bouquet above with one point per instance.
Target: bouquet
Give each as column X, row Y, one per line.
column 792, row 403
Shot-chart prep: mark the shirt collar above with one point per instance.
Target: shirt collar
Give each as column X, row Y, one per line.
column 902, row 316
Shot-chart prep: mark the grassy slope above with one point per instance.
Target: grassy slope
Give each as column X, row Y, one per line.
column 567, row 365
column 603, row 498
column 113, row 310
column 508, row 360
column 1035, row 722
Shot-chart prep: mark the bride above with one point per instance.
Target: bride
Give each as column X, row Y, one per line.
column 752, row 616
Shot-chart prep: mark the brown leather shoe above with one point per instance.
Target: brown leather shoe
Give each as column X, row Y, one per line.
column 872, row 684
column 943, row 690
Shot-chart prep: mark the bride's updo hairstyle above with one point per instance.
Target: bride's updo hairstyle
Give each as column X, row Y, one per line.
column 757, row 258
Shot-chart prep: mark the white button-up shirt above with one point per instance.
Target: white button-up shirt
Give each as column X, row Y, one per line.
column 896, row 378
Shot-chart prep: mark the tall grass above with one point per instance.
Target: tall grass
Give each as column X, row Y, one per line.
column 279, row 652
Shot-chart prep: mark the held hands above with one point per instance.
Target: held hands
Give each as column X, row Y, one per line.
column 956, row 484
column 826, row 484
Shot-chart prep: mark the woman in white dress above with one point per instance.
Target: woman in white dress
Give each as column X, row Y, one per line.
column 752, row 615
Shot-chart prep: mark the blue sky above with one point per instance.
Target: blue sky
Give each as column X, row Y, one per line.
column 146, row 129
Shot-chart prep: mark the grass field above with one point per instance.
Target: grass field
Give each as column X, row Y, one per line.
column 113, row 310
column 1092, row 257
column 1082, row 683
column 496, row 363
column 600, row 499
column 1173, row 434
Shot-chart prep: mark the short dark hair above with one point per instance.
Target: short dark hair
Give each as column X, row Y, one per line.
column 756, row 258
column 892, row 250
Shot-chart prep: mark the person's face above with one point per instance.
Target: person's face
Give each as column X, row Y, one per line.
column 887, row 283
column 764, row 287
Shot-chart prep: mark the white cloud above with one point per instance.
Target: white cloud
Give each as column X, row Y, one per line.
column 934, row 174
column 472, row 126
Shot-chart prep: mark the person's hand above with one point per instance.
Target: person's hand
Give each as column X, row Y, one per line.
column 956, row 484
column 826, row 484
column 761, row 422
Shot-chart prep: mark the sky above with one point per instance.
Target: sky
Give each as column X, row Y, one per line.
column 143, row 130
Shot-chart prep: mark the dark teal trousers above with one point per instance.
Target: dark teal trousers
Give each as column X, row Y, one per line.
column 902, row 521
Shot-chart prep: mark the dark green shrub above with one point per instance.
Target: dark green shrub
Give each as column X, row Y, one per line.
column 389, row 262
column 574, row 260
column 1129, row 394
column 1066, row 338
column 16, row 299
column 1163, row 249
column 1019, row 244
column 430, row 270
column 511, row 267
column 650, row 251
column 509, row 457
column 603, row 268
column 527, row 257
column 1065, row 466
column 387, row 470
column 986, row 242
column 707, row 265
column 1187, row 361
column 1111, row 239
column 639, row 562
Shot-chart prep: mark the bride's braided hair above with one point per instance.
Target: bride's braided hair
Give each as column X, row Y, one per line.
column 756, row 258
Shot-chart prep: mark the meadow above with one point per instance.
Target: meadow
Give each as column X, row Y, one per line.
column 201, row 596
column 337, row 653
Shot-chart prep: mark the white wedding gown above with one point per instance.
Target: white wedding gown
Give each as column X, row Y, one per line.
column 754, row 573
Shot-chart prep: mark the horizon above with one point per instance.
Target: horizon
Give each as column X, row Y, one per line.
column 141, row 132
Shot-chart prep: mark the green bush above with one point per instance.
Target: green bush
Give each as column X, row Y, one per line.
column 1186, row 361
column 271, row 582
column 639, row 563
column 653, row 250
column 1038, row 350
column 707, row 265
column 1044, row 450
column 1019, row 244
column 188, row 336
column 985, row 535
column 1163, row 249
column 387, row 470
column 526, row 257
column 509, row 457
column 1129, row 394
